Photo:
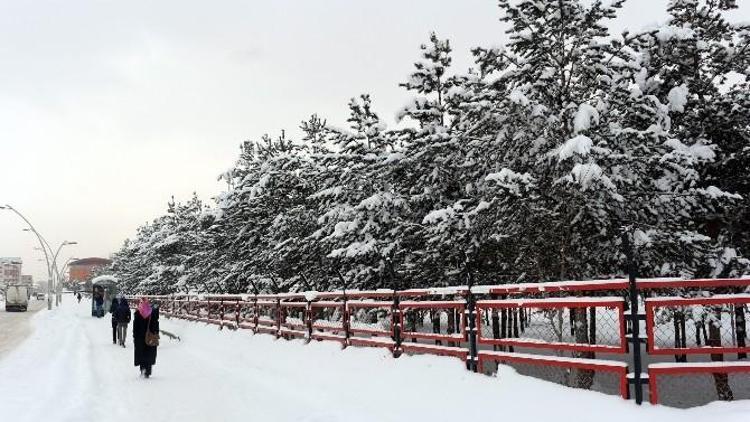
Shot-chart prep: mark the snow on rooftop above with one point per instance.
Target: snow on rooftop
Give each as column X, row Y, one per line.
column 105, row 278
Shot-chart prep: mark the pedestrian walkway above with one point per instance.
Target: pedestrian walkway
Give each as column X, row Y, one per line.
column 69, row 370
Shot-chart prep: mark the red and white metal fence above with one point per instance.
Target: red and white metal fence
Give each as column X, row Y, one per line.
column 577, row 333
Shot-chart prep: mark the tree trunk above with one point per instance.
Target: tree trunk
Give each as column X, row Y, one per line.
column 522, row 324
column 412, row 317
column 516, row 312
column 679, row 334
column 435, row 317
column 697, row 333
column 451, row 325
column 683, row 328
column 495, row 326
column 528, row 318
column 584, row 378
column 721, row 381
column 741, row 329
column 571, row 316
column 510, row 328
column 503, row 325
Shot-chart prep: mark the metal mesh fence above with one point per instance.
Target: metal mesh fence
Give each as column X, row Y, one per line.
column 700, row 326
column 436, row 325
column 267, row 314
column 246, row 312
column 689, row 390
column 370, row 319
column 601, row 381
column 575, row 325
column 293, row 316
column 327, row 317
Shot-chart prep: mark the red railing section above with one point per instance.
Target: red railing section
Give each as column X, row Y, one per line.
column 564, row 325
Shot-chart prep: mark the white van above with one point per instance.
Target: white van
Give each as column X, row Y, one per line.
column 17, row 298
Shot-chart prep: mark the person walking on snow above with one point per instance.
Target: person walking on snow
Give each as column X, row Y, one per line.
column 145, row 336
column 112, row 309
column 122, row 313
column 98, row 303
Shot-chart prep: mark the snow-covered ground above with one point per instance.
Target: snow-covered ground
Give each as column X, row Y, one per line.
column 68, row 370
column 15, row 326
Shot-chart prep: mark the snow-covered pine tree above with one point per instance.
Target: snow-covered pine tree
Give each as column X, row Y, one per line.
column 358, row 205
column 266, row 186
column 435, row 173
column 699, row 63
column 575, row 154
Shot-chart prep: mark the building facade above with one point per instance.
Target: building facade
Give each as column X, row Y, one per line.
column 82, row 271
column 10, row 270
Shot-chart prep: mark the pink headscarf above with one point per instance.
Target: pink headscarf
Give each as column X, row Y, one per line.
column 144, row 308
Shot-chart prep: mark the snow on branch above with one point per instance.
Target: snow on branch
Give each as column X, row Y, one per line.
column 578, row 145
column 511, row 180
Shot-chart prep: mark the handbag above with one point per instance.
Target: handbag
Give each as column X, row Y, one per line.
column 152, row 339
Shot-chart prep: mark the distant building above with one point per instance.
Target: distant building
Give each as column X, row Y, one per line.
column 10, row 270
column 82, row 270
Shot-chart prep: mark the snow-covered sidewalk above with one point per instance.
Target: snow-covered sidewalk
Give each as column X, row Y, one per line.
column 68, row 370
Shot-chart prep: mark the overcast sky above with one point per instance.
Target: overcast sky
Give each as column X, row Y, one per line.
column 107, row 108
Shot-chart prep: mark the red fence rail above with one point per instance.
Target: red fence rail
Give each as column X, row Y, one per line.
column 563, row 325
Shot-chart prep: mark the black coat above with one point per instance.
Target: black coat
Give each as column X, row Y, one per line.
column 122, row 312
column 112, row 309
column 144, row 355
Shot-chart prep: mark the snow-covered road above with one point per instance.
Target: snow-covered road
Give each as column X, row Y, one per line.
column 68, row 370
column 15, row 326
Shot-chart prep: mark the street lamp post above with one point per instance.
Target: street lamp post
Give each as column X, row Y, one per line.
column 58, row 276
column 44, row 245
column 61, row 274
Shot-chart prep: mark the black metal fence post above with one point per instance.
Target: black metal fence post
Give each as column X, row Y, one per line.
column 471, row 314
column 278, row 317
column 308, row 321
column 222, row 311
column 346, row 320
column 635, row 339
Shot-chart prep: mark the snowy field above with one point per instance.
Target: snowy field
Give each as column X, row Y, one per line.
column 68, row 370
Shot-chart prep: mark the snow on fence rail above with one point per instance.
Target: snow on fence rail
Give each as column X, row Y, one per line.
column 577, row 333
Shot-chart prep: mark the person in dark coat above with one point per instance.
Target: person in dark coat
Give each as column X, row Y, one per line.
column 122, row 314
column 146, row 317
column 98, row 303
column 112, row 309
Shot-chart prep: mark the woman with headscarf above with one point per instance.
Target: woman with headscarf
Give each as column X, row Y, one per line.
column 145, row 329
